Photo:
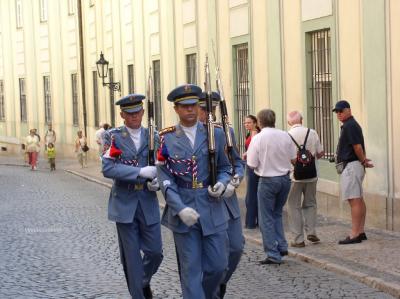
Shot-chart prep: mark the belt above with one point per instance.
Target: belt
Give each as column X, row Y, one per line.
column 276, row 176
column 192, row 185
column 135, row 187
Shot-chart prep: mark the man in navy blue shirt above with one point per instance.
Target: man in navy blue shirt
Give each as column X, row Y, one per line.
column 351, row 152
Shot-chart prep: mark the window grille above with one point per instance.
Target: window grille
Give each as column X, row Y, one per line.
column 191, row 69
column 95, row 99
column 112, row 98
column 242, row 91
column 131, row 79
column 75, row 115
column 22, row 100
column 157, row 93
column 321, row 89
column 2, row 110
column 47, row 99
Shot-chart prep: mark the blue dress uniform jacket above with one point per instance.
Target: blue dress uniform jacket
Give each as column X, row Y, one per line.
column 134, row 209
column 201, row 248
column 213, row 213
column 128, row 188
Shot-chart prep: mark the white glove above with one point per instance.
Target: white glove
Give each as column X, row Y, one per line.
column 148, row 172
column 217, row 190
column 235, row 181
column 153, row 185
column 188, row 216
column 230, row 189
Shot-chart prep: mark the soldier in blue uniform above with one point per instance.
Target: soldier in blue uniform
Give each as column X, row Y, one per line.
column 235, row 233
column 133, row 203
column 195, row 212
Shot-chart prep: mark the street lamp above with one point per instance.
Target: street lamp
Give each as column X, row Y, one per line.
column 102, row 71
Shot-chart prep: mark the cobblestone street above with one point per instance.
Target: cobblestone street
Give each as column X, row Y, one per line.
column 56, row 242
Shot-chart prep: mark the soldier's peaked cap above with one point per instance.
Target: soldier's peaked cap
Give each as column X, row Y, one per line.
column 214, row 96
column 131, row 103
column 185, row 94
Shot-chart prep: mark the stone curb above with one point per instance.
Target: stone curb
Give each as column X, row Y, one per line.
column 374, row 282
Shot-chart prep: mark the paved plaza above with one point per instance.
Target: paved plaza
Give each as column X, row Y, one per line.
column 56, row 242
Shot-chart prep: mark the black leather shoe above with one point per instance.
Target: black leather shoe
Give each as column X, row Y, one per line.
column 349, row 240
column 283, row 253
column 147, row 293
column 269, row 261
column 363, row 237
column 222, row 291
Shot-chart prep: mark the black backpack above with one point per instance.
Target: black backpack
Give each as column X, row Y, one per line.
column 304, row 168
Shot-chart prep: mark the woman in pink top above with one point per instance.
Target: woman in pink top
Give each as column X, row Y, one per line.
column 250, row 123
column 32, row 148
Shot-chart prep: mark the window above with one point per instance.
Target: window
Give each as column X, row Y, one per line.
column 18, row 10
column 320, row 88
column 47, row 99
column 112, row 100
column 43, row 10
column 2, row 110
column 131, row 79
column 191, row 69
column 242, row 90
column 71, row 7
column 157, row 93
column 22, row 100
column 75, row 116
column 95, row 99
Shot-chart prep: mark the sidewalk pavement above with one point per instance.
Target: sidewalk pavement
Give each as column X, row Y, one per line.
column 375, row 262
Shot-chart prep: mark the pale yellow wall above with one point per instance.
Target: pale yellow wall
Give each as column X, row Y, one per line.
column 292, row 52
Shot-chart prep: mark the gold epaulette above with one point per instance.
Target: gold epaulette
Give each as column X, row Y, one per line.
column 167, row 130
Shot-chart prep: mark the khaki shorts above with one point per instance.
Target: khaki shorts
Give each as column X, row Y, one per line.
column 351, row 180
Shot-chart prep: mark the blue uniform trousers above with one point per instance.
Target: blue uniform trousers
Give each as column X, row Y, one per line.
column 133, row 238
column 203, row 261
column 236, row 245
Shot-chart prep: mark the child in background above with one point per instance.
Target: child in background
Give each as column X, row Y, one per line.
column 51, row 155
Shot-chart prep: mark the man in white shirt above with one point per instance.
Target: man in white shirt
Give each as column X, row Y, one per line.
column 99, row 138
column 270, row 154
column 307, row 208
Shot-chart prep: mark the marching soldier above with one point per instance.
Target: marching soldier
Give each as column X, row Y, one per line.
column 194, row 212
column 133, row 203
column 235, row 233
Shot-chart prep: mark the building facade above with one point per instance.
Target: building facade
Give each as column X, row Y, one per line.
column 280, row 54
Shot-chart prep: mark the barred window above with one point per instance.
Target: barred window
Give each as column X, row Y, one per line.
column 320, row 88
column 131, row 79
column 2, row 110
column 242, row 91
column 95, row 99
column 22, row 100
column 75, row 114
column 191, row 69
column 47, row 99
column 157, row 93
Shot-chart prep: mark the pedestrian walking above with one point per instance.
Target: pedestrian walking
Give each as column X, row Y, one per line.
column 351, row 161
column 194, row 212
column 51, row 156
column 270, row 155
column 99, row 138
column 81, row 149
column 32, row 148
column 302, row 201
column 235, row 233
column 251, row 219
column 133, row 203
column 50, row 136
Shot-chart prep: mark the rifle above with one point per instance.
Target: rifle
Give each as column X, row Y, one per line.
column 150, row 118
column 210, row 126
column 224, row 115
